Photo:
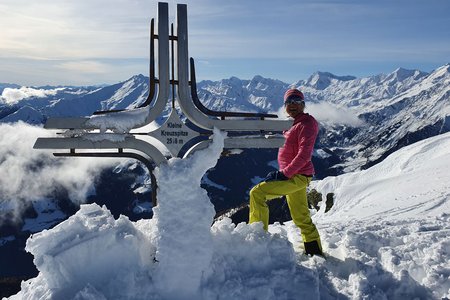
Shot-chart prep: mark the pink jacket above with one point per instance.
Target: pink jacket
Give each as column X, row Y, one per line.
column 295, row 156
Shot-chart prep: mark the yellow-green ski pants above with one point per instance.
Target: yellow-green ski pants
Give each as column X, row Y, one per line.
column 295, row 191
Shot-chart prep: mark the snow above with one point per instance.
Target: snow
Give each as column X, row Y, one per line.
column 386, row 237
column 120, row 94
column 140, row 208
column 97, row 137
column 88, row 252
column 26, row 114
column 412, row 181
column 119, row 122
column 209, row 182
column 395, row 218
column 48, row 214
column 320, row 153
column 184, row 241
column 383, row 259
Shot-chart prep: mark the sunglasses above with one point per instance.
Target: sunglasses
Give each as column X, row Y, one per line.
column 293, row 100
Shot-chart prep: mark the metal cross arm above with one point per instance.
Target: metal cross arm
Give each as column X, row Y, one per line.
column 129, row 142
column 193, row 113
column 153, row 112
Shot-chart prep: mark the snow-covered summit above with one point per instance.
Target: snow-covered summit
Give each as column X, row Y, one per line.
column 256, row 95
column 321, row 80
column 127, row 94
column 401, row 74
column 441, row 72
column 26, row 114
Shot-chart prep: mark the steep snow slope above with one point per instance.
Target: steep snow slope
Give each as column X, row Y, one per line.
column 26, row 114
column 129, row 93
column 413, row 181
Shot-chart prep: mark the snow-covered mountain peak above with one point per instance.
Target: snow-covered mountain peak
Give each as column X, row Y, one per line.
column 440, row 73
column 127, row 94
column 258, row 78
column 321, row 80
column 26, row 114
column 261, row 79
column 233, row 80
column 401, row 74
column 225, row 86
column 138, row 79
column 263, row 84
column 259, row 82
column 259, row 94
column 135, row 80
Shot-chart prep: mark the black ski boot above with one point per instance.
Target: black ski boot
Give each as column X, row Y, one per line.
column 313, row 248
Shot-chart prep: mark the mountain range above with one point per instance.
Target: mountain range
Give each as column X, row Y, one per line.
column 362, row 119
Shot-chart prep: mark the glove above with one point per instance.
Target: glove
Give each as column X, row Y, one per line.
column 275, row 175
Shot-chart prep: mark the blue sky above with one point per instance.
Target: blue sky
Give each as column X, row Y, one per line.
column 84, row 42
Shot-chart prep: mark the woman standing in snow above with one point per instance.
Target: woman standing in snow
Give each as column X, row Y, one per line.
column 295, row 174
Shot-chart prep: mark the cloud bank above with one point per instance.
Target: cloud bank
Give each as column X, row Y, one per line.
column 29, row 175
column 13, row 96
column 328, row 114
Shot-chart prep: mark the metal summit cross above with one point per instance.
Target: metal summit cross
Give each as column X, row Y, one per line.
column 108, row 133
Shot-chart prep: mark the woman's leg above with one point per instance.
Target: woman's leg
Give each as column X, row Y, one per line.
column 261, row 193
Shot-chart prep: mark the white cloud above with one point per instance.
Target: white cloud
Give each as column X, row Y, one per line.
column 281, row 113
column 327, row 113
column 30, row 175
column 13, row 96
column 65, row 29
